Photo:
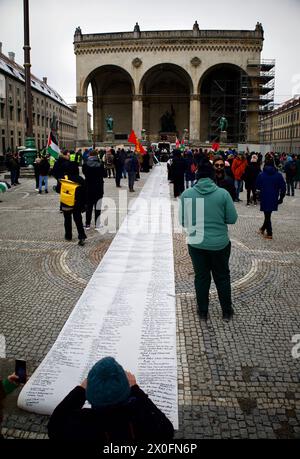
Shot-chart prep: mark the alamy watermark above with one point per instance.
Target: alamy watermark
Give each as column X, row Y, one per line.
column 2, row 347
column 296, row 348
column 151, row 216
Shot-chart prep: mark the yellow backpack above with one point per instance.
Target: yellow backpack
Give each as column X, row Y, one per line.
column 67, row 192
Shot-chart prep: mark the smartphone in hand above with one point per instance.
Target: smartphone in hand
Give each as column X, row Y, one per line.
column 20, row 370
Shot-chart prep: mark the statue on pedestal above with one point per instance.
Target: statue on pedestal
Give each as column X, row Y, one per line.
column 109, row 123
column 223, row 123
column 167, row 121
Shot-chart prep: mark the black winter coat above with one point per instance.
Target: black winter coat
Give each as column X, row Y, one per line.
column 60, row 168
column 94, row 173
column 44, row 167
column 251, row 173
column 137, row 419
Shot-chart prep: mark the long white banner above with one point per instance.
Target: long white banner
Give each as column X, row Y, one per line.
column 126, row 311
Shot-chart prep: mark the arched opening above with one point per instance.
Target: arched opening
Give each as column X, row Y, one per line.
column 166, row 90
column 112, row 89
column 221, row 95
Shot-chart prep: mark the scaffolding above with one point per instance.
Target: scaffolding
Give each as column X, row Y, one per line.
column 223, row 101
column 257, row 92
column 251, row 92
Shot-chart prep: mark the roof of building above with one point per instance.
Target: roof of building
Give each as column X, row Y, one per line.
column 17, row 71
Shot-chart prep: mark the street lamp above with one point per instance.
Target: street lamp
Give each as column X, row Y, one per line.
column 30, row 150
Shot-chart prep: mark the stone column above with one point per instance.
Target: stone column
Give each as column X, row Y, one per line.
column 194, row 117
column 97, row 124
column 82, row 121
column 137, row 114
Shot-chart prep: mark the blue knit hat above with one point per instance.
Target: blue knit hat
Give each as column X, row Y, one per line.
column 107, row 383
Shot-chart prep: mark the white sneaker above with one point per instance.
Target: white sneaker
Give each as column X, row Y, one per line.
column 87, row 227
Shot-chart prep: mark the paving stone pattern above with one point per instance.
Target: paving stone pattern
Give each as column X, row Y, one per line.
column 235, row 380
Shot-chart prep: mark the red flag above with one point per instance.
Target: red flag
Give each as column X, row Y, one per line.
column 139, row 147
column 177, row 143
column 132, row 138
column 215, row 146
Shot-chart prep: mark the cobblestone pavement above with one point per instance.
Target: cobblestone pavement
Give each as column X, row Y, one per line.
column 236, row 380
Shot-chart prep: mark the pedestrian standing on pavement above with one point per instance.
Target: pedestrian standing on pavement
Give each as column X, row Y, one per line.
column 132, row 167
column 238, row 168
column 119, row 165
column 120, row 410
column 221, row 178
column 290, row 170
column 250, row 176
column 12, row 166
column 297, row 176
column 177, row 172
column 44, row 168
column 272, row 189
column 205, row 211
column 94, row 172
column 78, row 208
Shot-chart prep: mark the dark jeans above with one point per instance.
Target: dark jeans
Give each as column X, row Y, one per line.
column 253, row 189
column 89, row 211
column 13, row 176
column 216, row 262
column 78, row 222
column 131, row 179
column 267, row 223
column 118, row 177
column 290, row 183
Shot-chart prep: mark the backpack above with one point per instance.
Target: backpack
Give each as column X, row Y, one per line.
column 109, row 159
column 67, row 192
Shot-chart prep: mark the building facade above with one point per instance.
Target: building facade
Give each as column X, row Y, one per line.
column 46, row 103
column 281, row 128
column 171, row 81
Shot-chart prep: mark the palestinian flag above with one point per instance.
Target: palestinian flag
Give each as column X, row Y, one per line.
column 52, row 146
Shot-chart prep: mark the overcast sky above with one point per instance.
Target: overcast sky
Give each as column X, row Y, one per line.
column 53, row 23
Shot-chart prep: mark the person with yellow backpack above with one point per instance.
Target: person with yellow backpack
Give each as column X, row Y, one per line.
column 72, row 199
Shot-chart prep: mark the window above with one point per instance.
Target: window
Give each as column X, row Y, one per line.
column 11, row 113
column 2, row 110
column 19, row 114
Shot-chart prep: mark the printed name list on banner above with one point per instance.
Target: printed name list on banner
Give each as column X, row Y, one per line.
column 127, row 311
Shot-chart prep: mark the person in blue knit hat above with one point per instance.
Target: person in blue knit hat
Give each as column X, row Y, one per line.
column 120, row 410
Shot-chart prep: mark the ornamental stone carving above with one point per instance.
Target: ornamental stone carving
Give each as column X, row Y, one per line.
column 137, row 62
column 195, row 61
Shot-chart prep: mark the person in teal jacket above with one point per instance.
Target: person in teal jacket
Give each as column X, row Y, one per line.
column 205, row 211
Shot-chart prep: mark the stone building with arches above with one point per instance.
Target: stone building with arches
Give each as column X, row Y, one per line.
column 191, row 77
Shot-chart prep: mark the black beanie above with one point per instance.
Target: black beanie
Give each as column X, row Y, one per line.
column 205, row 170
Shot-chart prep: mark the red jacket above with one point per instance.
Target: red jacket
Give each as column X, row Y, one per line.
column 238, row 168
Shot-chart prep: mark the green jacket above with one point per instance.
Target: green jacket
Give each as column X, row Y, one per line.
column 204, row 212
